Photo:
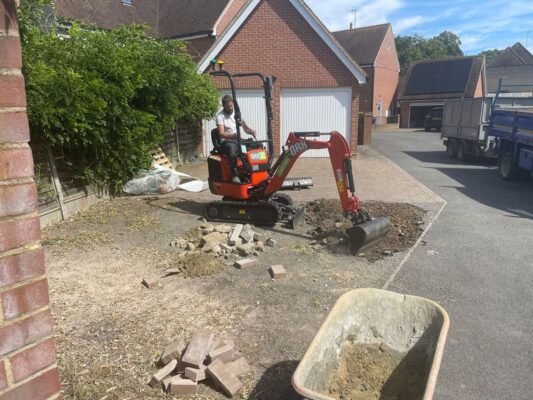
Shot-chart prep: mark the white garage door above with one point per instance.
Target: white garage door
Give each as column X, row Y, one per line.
column 324, row 110
column 253, row 111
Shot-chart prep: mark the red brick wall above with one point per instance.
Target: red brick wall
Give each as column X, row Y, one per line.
column 366, row 91
column 28, row 369
column 293, row 52
column 386, row 74
column 230, row 13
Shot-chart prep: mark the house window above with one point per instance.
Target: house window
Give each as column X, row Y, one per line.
column 127, row 2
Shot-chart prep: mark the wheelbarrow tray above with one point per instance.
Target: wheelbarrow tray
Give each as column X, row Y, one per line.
column 374, row 317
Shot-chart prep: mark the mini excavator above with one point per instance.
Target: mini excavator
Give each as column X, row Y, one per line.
column 257, row 199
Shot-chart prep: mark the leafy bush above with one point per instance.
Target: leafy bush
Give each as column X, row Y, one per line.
column 105, row 98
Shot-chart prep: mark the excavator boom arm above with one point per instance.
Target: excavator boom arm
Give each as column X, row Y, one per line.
column 339, row 155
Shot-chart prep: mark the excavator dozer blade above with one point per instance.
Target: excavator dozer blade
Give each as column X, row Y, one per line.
column 367, row 234
column 297, row 217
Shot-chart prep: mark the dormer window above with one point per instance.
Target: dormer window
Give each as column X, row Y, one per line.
column 127, row 2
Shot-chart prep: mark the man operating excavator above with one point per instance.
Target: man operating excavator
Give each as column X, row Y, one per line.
column 227, row 130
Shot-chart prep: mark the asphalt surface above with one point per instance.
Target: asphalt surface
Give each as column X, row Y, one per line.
column 478, row 264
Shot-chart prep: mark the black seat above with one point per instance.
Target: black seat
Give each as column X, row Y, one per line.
column 215, row 138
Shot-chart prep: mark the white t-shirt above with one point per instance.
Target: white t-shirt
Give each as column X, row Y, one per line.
column 228, row 121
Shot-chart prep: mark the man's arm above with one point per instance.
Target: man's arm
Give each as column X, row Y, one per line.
column 247, row 129
column 225, row 135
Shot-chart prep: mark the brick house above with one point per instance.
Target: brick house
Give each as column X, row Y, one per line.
column 515, row 55
column 429, row 83
column 275, row 37
column 374, row 49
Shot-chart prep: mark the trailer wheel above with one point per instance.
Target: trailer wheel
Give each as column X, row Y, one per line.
column 450, row 149
column 462, row 155
column 507, row 167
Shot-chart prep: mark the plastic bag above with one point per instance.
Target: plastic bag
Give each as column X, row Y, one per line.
column 158, row 180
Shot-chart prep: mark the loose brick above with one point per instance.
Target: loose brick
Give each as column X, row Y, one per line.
column 31, row 360
column 247, row 236
column 222, row 377
column 16, row 163
column 224, row 353
column 150, row 283
column 25, row 298
column 40, row 388
column 235, row 234
column 180, row 386
column 158, row 377
column 238, row 367
column 271, row 243
column 277, row 272
column 22, row 266
column 13, row 93
column 198, row 348
column 25, row 331
column 14, row 127
column 172, row 352
column 17, row 233
column 263, row 237
column 10, row 53
column 17, row 199
column 165, row 383
column 196, row 374
column 245, row 263
column 3, row 376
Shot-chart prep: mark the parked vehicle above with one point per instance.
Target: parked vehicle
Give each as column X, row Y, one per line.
column 513, row 130
column 465, row 128
column 492, row 128
column 433, row 119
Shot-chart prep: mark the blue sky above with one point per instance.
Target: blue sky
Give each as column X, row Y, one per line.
column 481, row 25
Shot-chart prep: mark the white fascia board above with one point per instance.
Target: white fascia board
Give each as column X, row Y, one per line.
column 225, row 38
column 326, row 37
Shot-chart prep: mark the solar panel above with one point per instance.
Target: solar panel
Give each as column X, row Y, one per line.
column 447, row 76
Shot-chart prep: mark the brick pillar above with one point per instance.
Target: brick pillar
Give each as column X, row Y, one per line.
column 28, row 369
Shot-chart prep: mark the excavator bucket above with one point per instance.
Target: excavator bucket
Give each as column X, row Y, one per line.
column 365, row 235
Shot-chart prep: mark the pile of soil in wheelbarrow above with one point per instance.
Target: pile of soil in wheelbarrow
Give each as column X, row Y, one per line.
column 325, row 223
column 372, row 372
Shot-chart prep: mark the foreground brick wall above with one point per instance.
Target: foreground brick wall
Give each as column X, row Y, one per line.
column 28, row 369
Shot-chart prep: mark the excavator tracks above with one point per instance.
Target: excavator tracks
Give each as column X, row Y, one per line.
column 259, row 213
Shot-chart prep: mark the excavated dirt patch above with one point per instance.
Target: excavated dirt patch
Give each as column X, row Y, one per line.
column 196, row 265
column 324, row 221
column 372, row 372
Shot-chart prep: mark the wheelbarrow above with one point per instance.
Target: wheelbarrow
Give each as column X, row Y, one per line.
column 408, row 332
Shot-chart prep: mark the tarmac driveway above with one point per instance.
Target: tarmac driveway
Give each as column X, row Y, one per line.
column 478, row 264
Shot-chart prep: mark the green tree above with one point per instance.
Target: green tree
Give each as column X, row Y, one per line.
column 105, row 98
column 415, row 48
column 490, row 55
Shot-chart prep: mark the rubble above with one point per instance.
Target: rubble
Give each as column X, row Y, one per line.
column 213, row 358
column 245, row 263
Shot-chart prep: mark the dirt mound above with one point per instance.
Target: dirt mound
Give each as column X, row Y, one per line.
column 196, row 265
column 372, row 372
column 325, row 222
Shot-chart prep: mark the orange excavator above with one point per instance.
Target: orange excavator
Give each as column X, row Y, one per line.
column 257, row 199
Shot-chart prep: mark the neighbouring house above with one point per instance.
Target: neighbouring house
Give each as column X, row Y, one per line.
column 514, row 66
column 429, row 83
column 318, row 82
column 374, row 49
column 515, row 55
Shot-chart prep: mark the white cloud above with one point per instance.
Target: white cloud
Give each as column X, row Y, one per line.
column 335, row 14
column 406, row 23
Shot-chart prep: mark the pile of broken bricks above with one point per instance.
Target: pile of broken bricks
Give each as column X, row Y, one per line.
column 225, row 240
column 204, row 357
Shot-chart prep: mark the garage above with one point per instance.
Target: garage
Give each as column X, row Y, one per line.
column 418, row 112
column 324, row 110
column 253, row 111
